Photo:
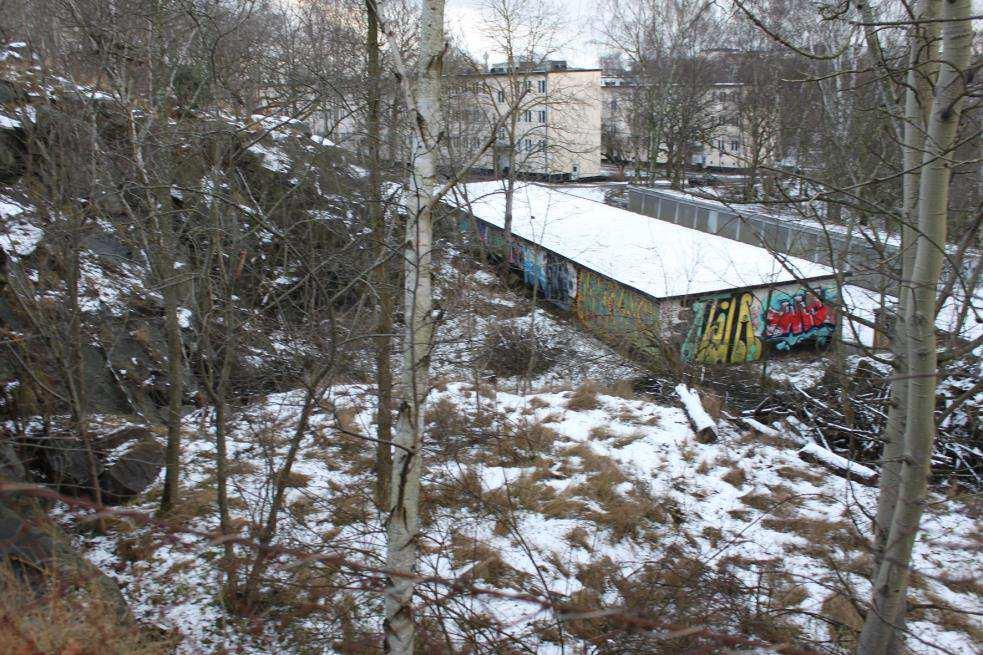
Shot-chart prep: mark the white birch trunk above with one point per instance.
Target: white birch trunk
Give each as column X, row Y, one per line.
column 891, row 584
column 403, row 519
column 923, row 65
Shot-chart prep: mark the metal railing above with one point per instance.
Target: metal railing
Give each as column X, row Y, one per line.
column 866, row 258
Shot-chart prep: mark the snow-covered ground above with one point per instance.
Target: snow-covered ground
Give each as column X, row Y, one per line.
column 528, row 493
column 655, row 257
column 530, row 487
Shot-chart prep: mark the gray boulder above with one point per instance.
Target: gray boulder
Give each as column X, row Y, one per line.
column 130, row 469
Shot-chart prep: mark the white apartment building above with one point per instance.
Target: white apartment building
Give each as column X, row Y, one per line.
column 726, row 145
column 546, row 118
column 557, row 119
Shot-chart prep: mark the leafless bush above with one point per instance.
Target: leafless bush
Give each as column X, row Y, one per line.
column 513, row 350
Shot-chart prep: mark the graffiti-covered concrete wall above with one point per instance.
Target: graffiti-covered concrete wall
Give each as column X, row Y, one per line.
column 727, row 327
column 619, row 314
column 748, row 325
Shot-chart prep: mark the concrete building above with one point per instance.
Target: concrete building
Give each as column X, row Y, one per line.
column 726, row 145
column 555, row 132
column 660, row 290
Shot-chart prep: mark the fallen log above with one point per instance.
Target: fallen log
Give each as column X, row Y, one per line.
column 761, row 428
column 706, row 429
column 838, row 465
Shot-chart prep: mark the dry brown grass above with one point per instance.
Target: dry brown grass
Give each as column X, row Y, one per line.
column 600, row 487
column 843, row 620
column 463, row 491
column 626, row 415
column 564, row 506
column 584, row 398
column 486, row 563
column 622, row 389
column 69, row 618
column 800, row 474
column 350, row 506
column 578, row 537
column 535, row 438
column 943, row 614
column 195, row 502
column 963, row 585
column 839, row 534
column 633, row 513
column 681, row 589
column 735, row 477
column 600, row 433
column 297, row 480
column 628, row 439
column 779, row 501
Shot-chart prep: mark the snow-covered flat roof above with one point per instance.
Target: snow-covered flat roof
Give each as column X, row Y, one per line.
column 658, row 258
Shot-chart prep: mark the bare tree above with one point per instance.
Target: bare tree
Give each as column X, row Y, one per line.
column 949, row 96
column 664, row 44
column 403, row 522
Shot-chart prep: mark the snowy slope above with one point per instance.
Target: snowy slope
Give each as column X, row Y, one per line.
column 568, row 494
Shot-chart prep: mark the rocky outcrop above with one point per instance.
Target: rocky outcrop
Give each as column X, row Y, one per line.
column 39, row 552
column 127, row 461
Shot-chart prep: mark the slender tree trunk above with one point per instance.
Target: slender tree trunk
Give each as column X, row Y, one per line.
column 917, row 95
column 509, row 204
column 922, row 69
column 891, row 584
column 279, row 491
column 383, row 274
column 403, row 520
column 222, row 493
column 76, row 372
column 175, row 359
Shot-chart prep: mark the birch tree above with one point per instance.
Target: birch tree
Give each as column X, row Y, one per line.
column 891, row 581
column 403, row 520
column 422, row 196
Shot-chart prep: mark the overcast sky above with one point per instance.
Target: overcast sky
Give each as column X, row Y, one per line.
column 578, row 40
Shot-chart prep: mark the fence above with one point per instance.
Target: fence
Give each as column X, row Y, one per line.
column 867, row 260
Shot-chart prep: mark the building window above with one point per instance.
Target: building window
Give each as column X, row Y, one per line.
column 720, row 145
column 541, row 115
column 541, row 145
column 527, row 85
column 527, row 116
column 501, row 134
column 501, row 95
column 735, row 145
column 542, row 86
column 527, row 144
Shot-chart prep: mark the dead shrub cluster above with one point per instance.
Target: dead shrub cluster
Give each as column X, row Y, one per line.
column 584, row 398
column 685, row 592
column 514, row 350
